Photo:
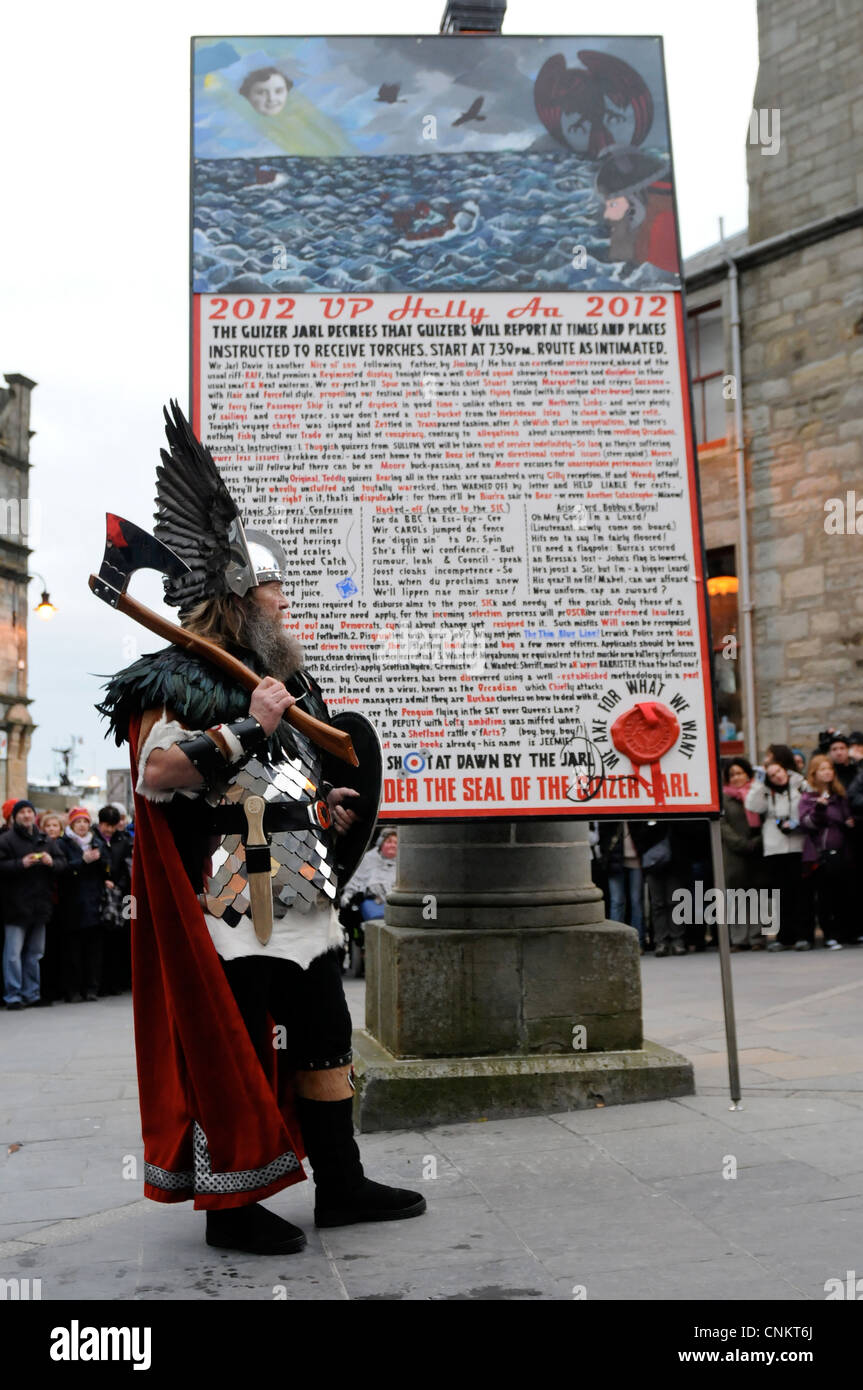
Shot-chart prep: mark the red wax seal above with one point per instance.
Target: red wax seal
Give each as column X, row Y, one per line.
column 644, row 734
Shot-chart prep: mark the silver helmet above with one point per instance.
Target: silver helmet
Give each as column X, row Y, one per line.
column 256, row 558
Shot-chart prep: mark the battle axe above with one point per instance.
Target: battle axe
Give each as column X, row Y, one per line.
column 127, row 549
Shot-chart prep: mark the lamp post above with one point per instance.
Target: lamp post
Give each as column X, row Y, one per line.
column 44, row 609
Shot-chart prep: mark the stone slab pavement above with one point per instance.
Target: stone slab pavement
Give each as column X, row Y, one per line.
column 681, row 1199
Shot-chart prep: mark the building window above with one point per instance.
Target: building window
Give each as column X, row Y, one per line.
column 727, row 657
column 707, row 361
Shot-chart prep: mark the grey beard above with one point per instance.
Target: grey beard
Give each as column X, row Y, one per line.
column 280, row 653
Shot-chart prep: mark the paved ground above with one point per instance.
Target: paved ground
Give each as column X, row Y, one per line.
column 627, row 1202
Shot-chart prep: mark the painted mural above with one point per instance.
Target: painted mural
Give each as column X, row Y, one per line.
column 385, row 164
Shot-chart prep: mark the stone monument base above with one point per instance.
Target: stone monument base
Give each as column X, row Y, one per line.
column 416, row 1093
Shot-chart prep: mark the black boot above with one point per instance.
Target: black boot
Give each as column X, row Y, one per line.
column 253, row 1229
column 343, row 1194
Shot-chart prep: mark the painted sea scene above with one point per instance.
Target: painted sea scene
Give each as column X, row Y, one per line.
column 382, row 165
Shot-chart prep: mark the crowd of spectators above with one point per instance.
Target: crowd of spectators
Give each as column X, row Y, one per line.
column 792, row 826
column 65, row 899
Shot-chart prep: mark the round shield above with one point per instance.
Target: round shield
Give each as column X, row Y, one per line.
column 367, row 779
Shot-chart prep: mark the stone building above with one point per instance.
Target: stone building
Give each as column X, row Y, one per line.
column 16, row 726
column 798, row 273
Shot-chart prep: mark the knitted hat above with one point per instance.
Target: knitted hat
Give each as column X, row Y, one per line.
column 19, row 805
column 77, row 811
column 7, row 808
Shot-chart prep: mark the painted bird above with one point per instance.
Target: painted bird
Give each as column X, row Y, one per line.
column 389, row 92
column 472, row 113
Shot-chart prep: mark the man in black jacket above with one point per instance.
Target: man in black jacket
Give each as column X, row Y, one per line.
column 846, row 769
column 116, row 847
column 27, row 869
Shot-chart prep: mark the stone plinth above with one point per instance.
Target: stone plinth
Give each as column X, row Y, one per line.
column 401, row 1093
column 494, row 986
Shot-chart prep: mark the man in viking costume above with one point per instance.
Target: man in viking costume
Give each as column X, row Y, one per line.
column 243, row 1035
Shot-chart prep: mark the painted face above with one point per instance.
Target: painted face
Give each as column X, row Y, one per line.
column 615, row 209
column 737, row 776
column 269, row 97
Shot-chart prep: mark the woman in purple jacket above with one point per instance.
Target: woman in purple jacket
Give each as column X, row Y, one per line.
column 825, row 816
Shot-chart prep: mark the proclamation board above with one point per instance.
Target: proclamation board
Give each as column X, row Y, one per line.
column 438, row 349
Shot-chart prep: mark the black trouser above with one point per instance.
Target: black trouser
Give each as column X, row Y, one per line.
column 782, row 873
column 701, row 872
column 52, row 965
column 309, row 1004
column 83, row 972
column 833, row 902
column 661, row 883
column 117, row 958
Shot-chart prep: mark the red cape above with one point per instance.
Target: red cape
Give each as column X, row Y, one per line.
column 196, row 1062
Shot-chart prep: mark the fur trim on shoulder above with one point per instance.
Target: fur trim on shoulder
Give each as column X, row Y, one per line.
column 197, row 692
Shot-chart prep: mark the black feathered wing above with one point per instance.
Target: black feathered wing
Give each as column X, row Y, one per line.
column 194, row 512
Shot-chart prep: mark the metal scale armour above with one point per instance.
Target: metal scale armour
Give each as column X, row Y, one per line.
column 303, row 862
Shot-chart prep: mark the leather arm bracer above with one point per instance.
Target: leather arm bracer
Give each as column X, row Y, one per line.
column 244, row 738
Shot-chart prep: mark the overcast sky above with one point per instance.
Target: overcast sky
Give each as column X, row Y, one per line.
column 94, row 269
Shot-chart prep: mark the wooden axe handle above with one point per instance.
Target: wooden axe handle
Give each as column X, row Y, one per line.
column 324, row 735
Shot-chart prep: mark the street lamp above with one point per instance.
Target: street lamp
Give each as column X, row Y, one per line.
column 44, row 609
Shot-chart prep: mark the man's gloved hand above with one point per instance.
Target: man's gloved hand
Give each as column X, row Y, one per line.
column 343, row 817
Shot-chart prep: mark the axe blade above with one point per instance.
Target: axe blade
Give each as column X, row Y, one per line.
column 128, row 548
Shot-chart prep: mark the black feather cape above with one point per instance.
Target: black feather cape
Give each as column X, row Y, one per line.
column 198, row 692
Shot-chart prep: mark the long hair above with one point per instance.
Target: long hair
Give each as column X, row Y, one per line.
column 814, row 763
column 783, row 755
column 220, row 620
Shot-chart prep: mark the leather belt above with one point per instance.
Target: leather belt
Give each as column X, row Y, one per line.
column 278, row 815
